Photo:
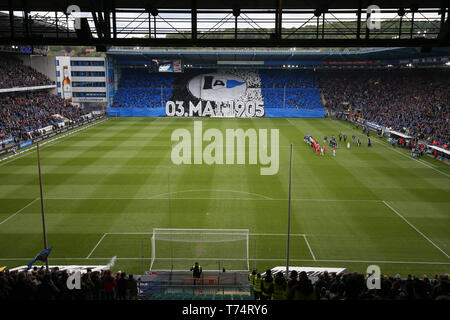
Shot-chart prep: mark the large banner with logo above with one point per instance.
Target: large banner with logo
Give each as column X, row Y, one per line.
column 227, row 93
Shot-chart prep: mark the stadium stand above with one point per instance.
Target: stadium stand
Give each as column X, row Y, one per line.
column 411, row 101
column 23, row 113
column 139, row 88
column 13, row 73
column 38, row 284
column 297, row 88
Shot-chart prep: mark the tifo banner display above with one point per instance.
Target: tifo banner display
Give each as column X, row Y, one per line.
column 217, row 94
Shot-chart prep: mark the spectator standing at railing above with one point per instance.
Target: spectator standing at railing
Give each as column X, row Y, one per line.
column 279, row 287
column 132, row 288
column 291, row 285
column 109, row 285
column 251, row 279
column 257, row 290
column 122, row 287
column 196, row 272
column 267, row 286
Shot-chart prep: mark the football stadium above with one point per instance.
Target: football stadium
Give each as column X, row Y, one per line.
column 261, row 151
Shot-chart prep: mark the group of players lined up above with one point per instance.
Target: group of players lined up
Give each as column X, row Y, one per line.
column 333, row 142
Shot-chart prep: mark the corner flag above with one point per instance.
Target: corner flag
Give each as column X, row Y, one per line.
column 42, row 256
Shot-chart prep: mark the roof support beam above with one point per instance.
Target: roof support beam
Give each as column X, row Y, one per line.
column 194, row 21
column 11, row 19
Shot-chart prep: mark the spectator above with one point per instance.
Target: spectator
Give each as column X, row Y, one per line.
column 109, row 285
column 132, row 288
column 122, row 287
column 13, row 73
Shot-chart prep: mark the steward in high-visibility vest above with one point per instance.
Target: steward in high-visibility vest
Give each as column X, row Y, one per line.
column 279, row 287
column 257, row 288
column 267, row 286
column 251, row 279
column 196, row 271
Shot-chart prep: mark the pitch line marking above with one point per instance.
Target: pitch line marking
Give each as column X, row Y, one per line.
column 19, row 211
column 207, row 190
column 101, row 239
column 250, row 234
column 309, row 247
column 252, row 259
column 417, row 230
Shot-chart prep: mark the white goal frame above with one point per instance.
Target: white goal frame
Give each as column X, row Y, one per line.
column 244, row 233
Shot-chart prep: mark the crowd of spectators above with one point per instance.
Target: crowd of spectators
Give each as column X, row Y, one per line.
column 38, row 284
column 412, row 101
column 23, row 113
column 353, row 286
column 13, row 73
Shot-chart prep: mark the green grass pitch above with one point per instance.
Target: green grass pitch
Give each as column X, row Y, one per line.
column 108, row 186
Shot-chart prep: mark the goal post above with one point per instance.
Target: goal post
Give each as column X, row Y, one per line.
column 214, row 249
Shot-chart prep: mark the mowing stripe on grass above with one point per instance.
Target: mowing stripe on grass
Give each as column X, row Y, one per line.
column 418, row 231
column 19, row 211
column 410, row 157
column 250, row 234
column 212, row 198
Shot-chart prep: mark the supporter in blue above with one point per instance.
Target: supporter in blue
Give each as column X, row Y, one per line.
column 412, row 101
column 23, row 113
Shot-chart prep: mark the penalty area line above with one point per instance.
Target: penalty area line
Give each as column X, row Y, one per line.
column 417, row 230
column 309, row 247
column 19, row 211
column 92, row 251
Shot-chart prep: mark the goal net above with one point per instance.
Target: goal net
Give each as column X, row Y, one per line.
column 213, row 249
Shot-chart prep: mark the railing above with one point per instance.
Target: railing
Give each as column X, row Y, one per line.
column 153, row 288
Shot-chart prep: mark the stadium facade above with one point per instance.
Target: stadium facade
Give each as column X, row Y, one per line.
column 81, row 80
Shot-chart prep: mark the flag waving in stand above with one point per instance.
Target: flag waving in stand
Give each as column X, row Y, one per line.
column 42, row 256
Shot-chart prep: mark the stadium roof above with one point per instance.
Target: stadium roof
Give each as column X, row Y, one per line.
column 212, row 56
column 206, row 23
column 211, row 4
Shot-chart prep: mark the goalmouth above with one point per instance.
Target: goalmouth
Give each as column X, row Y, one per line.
column 214, row 249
